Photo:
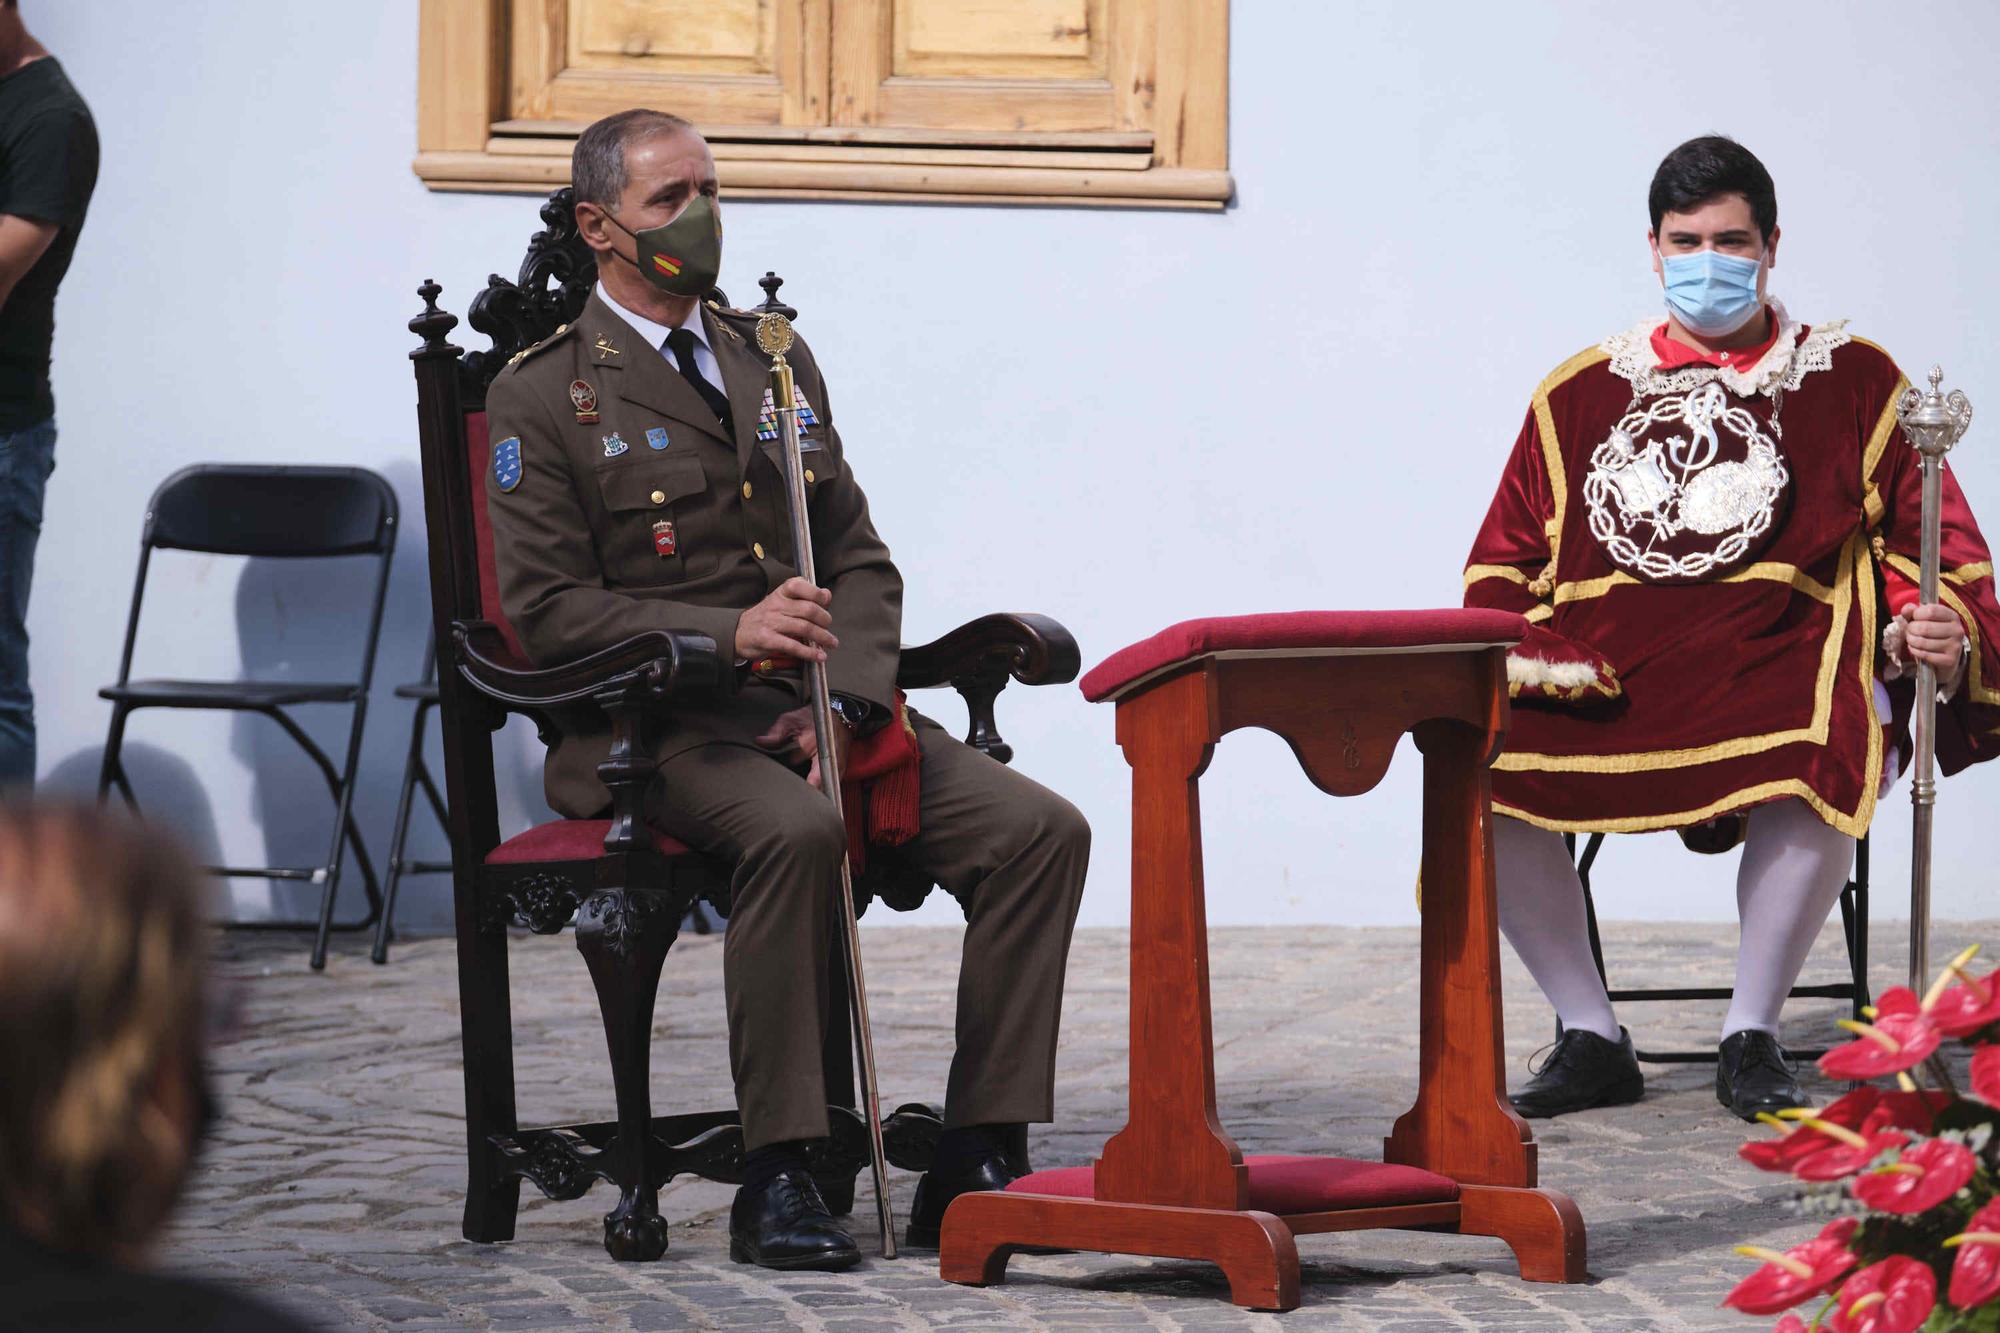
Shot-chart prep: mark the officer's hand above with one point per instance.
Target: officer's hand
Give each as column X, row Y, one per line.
column 793, row 732
column 792, row 622
column 1935, row 635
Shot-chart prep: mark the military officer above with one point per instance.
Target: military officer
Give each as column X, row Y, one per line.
column 636, row 485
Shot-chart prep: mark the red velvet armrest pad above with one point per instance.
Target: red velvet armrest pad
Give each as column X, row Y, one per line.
column 1300, row 629
column 1289, row 1185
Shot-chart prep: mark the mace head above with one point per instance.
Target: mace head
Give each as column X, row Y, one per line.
column 1934, row 420
column 774, row 334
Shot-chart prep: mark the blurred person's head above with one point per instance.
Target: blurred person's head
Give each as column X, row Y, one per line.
column 103, row 950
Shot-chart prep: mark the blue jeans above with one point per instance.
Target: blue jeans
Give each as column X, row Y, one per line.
column 26, row 459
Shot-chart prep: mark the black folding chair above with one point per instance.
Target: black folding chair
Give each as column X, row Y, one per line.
column 271, row 512
column 417, row 774
column 1853, row 925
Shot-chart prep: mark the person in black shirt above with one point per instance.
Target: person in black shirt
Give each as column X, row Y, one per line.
column 48, row 167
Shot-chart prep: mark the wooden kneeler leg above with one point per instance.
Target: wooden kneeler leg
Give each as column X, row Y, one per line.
column 624, row 936
column 1255, row 1251
column 1542, row 1227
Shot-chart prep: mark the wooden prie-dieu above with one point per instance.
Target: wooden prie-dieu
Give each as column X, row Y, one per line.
column 1341, row 688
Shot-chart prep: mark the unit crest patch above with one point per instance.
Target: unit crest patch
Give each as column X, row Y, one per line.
column 507, row 463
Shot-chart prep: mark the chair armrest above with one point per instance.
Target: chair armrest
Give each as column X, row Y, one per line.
column 1032, row 649
column 653, row 667
column 978, row 659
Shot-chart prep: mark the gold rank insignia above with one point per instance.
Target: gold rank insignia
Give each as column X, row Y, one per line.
column 604, row 347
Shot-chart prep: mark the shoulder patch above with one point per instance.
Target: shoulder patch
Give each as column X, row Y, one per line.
column 507, row 469
column 515, row 361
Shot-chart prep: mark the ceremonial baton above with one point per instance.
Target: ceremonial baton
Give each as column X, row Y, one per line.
column 1933, row 421
column 774, row 335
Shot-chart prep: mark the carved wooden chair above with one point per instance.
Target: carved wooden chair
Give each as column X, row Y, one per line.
column 627, row 885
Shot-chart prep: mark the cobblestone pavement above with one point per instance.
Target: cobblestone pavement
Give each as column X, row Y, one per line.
column 334, row 1183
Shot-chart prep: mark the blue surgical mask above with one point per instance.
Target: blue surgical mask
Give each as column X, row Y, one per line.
column 1711, row 293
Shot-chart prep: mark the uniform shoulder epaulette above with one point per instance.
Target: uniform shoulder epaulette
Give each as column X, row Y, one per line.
column 514, row 362
column 731, row 310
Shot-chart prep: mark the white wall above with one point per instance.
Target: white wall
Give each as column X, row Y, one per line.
column 1121, row 419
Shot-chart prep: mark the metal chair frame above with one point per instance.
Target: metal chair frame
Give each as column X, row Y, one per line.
column 1853, row 925
column 176, row 523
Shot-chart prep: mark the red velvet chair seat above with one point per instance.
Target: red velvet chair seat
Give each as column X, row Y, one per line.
column 1288, row 1185
column 1290, row 631
column 571, row 840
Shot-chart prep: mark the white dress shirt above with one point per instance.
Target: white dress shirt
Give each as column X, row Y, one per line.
column 656, row 335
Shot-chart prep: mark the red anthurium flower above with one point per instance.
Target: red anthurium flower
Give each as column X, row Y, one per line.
column 1791, row 1323
column 1798, row 1141
column 1900, row 1036
column 1975, row 1274
column 1972, row 1004
column 1986, row 1074
column 1849, row 1152
column 1894, row 1296
column 1914, row 1111
column 1924, row 1177
column 1800, row 1273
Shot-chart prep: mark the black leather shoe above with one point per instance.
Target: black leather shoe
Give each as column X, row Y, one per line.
column 1584, row 1070
column 935, row 1193
column 1753, row 1073
column 784, row 1224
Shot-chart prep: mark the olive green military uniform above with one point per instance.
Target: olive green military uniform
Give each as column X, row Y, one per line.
column 653, row 517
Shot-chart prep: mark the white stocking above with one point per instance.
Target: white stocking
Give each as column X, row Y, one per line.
column 1541, row 914
column 1794, row 867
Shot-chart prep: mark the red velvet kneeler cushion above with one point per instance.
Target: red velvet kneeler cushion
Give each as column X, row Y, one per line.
column 1288, row 1185
column 571, row 840
column 1295, row 630
column 478, row 449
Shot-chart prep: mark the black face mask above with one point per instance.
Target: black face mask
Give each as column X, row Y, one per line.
column 682, row 257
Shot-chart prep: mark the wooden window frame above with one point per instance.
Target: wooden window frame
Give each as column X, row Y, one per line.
column 1173, row 153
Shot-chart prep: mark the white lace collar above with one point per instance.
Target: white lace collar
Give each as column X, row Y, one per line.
column 1788, row 362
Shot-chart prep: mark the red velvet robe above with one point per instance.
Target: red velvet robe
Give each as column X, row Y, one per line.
column 1723, row 693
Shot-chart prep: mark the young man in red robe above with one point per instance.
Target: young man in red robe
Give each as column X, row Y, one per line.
column 1711, row 522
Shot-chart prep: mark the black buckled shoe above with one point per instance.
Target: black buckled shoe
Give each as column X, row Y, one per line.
column 1584, row 1070
column 935, row 1193
column 784, row 1224
column 1753, row 1074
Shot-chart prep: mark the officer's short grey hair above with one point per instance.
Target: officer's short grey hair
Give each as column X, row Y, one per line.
column 597, row 166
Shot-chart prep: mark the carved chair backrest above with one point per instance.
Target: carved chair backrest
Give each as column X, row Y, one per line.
column 553, row 283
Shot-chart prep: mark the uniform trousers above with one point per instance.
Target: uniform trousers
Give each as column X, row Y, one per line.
column 1008, row 848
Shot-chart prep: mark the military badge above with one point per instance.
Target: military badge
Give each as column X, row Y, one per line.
column 507, row 463
column 604, row 348
column 584, row 399
column 656, row 437
column 663, row 538
column 613, row 446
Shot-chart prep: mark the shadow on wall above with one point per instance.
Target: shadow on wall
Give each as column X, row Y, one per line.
column 307, row 620
column 169, row 789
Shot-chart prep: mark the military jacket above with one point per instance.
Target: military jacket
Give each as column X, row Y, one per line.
column 620, row 504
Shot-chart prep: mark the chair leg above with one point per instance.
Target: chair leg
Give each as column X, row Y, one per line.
column 492, row 1194
column 837, row 1066
column 624, row 936
column 111, row 769
column 342, row 828
column 399, row 834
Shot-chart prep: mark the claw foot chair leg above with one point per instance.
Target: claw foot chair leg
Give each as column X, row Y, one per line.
column 624, row 936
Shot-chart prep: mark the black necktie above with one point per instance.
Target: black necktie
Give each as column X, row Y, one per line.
column 681, row 343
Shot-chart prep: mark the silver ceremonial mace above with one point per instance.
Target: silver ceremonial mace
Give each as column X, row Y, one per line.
column 1933, row 421
column 774, row 335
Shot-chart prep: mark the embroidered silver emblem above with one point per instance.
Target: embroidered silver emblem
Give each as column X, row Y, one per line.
column 1659, row 483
